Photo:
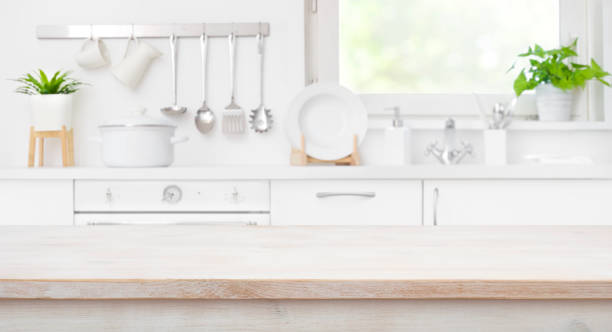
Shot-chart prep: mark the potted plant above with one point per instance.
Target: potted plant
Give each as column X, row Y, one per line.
column 51, row 99
column 554, row 78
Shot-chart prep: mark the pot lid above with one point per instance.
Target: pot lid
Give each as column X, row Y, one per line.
column 138, row 118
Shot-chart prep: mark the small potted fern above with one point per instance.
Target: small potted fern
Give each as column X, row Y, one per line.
column 555, row 77
column 51, row 98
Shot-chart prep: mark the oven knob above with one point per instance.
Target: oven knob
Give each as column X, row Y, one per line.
column 109, row 196
column 172, row 194
column 235, row 197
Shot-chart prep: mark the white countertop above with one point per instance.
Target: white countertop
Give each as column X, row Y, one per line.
column 278, row 172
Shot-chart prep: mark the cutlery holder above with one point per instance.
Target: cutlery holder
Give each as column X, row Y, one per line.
column 495, row 146
column 300, row 158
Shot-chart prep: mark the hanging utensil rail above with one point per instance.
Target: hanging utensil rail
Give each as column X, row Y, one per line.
column 151, row 30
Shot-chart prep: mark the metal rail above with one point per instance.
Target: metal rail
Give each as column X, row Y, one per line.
column 151, row 30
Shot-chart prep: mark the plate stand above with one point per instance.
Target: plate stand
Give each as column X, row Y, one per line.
column 300, row 158
column 67, row 140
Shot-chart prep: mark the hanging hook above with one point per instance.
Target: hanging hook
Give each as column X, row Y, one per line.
column 260, row 40
column 204, row 42
column 91, row 32
column 132, row 36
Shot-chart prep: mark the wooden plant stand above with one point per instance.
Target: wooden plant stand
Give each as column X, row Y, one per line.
column 300, row 158
column 67, row 141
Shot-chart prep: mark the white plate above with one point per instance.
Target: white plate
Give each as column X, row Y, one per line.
column 328, row 116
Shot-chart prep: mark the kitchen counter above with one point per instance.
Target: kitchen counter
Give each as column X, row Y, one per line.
column 280, row 172
column 247, row 262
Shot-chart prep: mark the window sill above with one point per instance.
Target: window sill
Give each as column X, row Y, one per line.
column 524, row 125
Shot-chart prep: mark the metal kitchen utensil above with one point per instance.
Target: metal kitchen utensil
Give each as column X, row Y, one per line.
column 482, row 111
column 174, row 109
column 260, row 118
column 234, row 121
column 204, row 118
column 499, row 113
column 509, row 110
column 502, row 114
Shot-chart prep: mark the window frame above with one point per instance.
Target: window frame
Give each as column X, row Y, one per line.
column 322, row 65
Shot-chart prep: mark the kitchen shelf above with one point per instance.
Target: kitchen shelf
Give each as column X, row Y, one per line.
column 569, row 125
column 599, row 171
column 519, row 125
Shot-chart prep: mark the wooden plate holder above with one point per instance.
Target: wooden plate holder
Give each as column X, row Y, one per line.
column 300, row 158
column 67, row 140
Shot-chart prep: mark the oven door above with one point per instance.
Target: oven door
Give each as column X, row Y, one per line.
column 161, row 218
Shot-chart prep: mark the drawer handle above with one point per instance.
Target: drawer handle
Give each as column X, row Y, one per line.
column 366, row 194
column 436, row 197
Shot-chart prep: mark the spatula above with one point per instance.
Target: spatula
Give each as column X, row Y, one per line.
column 234, row 120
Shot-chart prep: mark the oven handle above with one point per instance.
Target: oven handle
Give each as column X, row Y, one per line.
column 181, row 223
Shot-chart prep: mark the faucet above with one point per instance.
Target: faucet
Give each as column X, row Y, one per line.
column 448, row 154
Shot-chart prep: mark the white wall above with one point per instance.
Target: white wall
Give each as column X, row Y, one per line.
column 108, row 99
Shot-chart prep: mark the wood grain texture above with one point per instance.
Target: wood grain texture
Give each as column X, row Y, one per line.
column 297, row 316
column 31, row 148
column 233, row 262
column 66, row 140
column 41, row 151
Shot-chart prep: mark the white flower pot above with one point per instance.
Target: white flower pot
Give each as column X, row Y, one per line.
column 553, row 103
column 51, row 112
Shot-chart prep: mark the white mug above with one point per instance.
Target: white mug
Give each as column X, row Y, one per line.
column 135, row 62
column 93, row 54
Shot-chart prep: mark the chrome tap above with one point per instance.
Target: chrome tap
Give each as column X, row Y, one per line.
column 448, row 154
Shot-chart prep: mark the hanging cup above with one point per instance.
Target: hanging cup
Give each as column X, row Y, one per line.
column 137, row 59
column 93, row 54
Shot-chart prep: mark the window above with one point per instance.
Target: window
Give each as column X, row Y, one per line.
column 439, row 46
column 430, row 56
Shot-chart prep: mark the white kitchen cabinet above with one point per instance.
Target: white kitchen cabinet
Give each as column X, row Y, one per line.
column 346, row 202
column 518, row 202
column 36, row 202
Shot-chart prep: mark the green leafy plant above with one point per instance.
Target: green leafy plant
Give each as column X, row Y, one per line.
column 553, row 66
column 38, row 83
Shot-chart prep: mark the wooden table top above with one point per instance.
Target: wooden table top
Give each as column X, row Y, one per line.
column 250, row 262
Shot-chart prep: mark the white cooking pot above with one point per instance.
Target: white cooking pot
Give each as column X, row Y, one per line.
column 138, row 141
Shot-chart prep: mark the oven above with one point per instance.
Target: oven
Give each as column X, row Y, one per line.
column 167, row 202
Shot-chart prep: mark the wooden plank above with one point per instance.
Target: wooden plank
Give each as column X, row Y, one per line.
column 233, row 262
column 63, row 138
column 245, row 289
column 32, row 147
column 297, row 316
column 41, row 151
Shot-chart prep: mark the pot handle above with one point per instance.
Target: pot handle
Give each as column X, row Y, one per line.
column 95, row 139
column 175, row 140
